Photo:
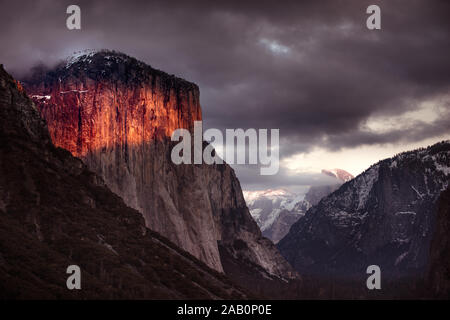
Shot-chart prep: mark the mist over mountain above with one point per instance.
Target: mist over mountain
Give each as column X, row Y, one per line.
column 339, row 174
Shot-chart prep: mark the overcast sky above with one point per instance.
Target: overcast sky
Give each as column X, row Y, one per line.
column 342, row 95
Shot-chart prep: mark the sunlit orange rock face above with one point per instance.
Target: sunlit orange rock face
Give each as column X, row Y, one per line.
column 117, row 114
column 110, row 113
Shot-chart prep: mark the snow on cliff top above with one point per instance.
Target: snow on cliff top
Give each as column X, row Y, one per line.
column 80, row 56
column 105, row 61
column 87, row 55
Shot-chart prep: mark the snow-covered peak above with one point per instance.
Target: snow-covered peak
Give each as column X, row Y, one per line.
column 338, row 174
column 251, row 196
column 266, row 205
column 107, row 58
column 80, row 56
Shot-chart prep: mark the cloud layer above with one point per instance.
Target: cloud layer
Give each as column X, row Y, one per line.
column 310, row 68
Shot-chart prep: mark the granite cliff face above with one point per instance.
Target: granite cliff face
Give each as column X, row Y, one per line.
column 117, row 114
column 54, row 212
column 384, row 216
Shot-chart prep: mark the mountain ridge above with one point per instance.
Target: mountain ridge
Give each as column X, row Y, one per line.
column 384, row 216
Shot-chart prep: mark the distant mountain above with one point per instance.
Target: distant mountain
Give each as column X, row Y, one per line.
column 339, row 174
column 266, row 205
column 385, row 216
column 54, row 213
column 277, row 210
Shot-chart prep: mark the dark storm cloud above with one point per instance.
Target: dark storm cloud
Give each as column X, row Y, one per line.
column 309, row 68
column 412, row 132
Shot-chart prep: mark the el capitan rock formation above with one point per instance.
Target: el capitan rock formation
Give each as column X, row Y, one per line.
column 117, row 114
column 54, row 212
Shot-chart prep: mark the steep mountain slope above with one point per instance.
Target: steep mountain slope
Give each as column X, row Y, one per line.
column 439, row 266
column 117, row 114
column 55, row 213
column 385, row 216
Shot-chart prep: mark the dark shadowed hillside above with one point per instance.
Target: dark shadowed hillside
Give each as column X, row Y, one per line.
column 439, row 272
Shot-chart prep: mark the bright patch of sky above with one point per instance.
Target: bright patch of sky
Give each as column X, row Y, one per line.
column 274, row 46
column 353, row 160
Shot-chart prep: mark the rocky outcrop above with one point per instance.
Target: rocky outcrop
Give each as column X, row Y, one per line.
column 117, row 115
column 385, row 216
column 54, row 212
column 439, row 265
